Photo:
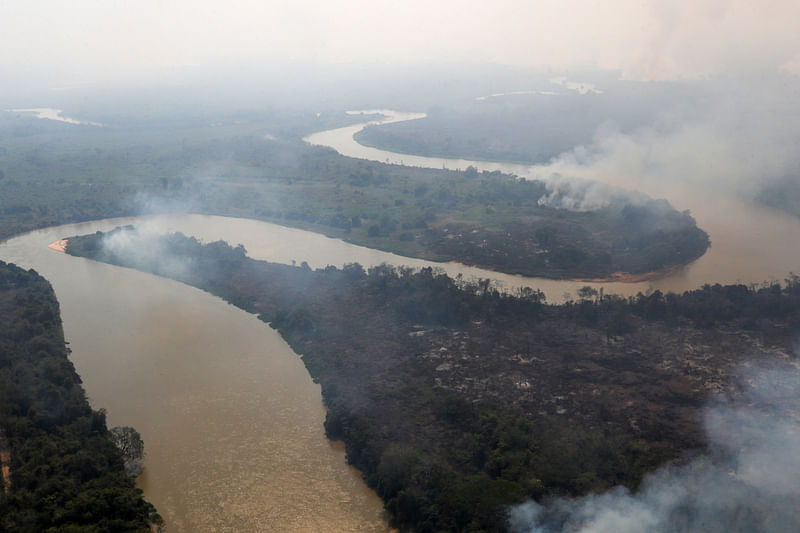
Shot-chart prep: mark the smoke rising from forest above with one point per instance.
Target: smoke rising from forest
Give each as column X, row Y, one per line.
column 735, row 135
column 582, row 195
column 746, row 482
column 149, row 246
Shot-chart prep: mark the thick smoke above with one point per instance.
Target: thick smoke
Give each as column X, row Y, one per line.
column 729, row 135
column 576, row 194
column 747, row 481
column 144, row 247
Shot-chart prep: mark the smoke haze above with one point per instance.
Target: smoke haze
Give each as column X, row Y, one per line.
column 730, row 126
column 92, row 40
column 145, row 246
column 576, row 194
column 747, row 481
column 736, row 135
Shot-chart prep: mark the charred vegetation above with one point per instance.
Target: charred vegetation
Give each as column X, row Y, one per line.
column 456, row 400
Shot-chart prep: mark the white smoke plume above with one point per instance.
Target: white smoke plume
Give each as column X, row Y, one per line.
column 734, row 134
column 747, row 482
column 576, row 194
column 144, row 247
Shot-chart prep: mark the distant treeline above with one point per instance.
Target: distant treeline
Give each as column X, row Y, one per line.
column 532, row 128
column 65, row 472
column 456, row 400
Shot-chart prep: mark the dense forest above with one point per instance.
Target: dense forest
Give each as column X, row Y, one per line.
column 456, row 400
column 257, row 166
column 62, row 472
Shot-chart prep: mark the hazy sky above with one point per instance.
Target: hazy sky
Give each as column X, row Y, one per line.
column 90, row 40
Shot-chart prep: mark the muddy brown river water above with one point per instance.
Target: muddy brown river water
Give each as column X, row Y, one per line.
column 232, row 423
column 231, row 420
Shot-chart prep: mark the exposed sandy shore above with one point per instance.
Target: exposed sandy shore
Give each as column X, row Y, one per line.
column 623, row 277
column 5, row 466
column 59, row 246
column 614, row 277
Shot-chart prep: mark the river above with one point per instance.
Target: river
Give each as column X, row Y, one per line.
column 231, row 421
column 750, row 242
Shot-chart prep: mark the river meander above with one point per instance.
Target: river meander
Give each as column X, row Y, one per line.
column 750, row 242
column 231, row 421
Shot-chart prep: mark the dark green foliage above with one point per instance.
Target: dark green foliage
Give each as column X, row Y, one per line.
column 130, row 443
column 66, row 475
column 418, row 373
column 486, row 219
column 746, row 307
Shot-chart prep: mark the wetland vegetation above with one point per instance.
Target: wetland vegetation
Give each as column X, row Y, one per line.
column 456, row 400
column 257, row 167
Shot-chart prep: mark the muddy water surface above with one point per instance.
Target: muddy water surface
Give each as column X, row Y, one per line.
column 231, row 420
column 750, row 243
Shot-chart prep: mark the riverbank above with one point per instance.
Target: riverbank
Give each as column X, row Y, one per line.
column 460, row 369
column 5, row 462
column 623, row 277
column 372, row 136
column 239, row 403
column 489, row 219
column 67, row 474
column 5, row 467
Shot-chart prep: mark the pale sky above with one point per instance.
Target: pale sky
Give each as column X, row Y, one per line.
column 646, row 39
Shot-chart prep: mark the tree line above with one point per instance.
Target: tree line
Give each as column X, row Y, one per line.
column 427, row 378
column 66, row 474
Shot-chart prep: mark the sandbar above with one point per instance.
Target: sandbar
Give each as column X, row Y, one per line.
column 59, row 246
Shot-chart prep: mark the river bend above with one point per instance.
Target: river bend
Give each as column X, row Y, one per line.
column 231, row 421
